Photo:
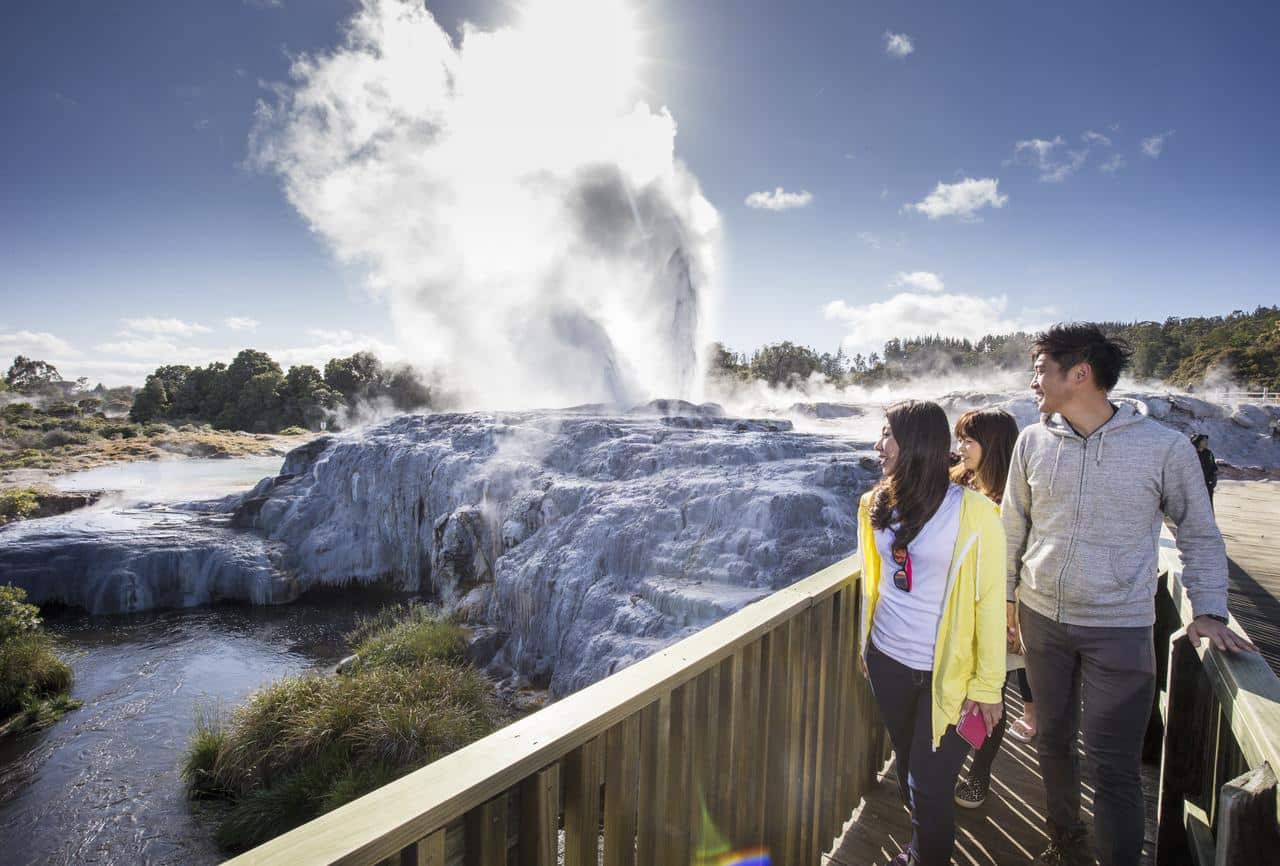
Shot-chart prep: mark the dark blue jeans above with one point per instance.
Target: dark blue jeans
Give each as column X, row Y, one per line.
column 926, row 776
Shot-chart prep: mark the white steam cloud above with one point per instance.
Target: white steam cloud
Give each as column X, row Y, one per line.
column 525, row 217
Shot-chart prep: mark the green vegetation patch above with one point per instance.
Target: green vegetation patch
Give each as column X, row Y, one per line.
column 18, row 503
column 33, row 681
column 307, row 744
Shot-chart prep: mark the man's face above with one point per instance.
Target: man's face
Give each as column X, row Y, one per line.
column 1049, row 383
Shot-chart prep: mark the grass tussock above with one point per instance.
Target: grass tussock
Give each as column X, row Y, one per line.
column 34, row 682
column 305, row 745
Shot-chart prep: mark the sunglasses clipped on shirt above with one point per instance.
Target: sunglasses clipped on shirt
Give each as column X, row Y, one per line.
column 902, row 576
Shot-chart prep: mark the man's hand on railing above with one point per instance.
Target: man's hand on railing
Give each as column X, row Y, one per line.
column 1219, row 634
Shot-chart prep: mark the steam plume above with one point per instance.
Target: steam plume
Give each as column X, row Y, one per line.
column 536, row 238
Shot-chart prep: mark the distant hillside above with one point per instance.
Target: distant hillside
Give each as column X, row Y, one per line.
column 1242, row 349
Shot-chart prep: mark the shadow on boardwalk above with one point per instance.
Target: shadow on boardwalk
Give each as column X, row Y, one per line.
column 1008, row 829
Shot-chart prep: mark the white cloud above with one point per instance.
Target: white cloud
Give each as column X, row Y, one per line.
column 40, row 345
column 265, row 4
column 1090, row 137
column 925, row 281
column 898, row 44
column 1154, row 145
column 870, row 239
column 779, row 199
column 166, row 327
column 912, row 314
column 1041, row 154
column 241, row 323
column 962, row 199
column 157, row 347
column 1112, row 165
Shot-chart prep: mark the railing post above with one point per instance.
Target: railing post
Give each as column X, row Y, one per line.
column 1189, row 730
column 1247, row 819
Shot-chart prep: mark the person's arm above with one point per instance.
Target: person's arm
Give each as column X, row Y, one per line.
column 1185, row 501
column 987, row 686
column 1015, row 514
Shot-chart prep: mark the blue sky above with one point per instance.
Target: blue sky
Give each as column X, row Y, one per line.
column 132, row 232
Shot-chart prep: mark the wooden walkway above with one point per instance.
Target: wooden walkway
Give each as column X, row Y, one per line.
column 1249, row 516
column 1009, row 828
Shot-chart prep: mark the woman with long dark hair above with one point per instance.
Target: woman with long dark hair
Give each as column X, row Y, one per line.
column 985, row 439
column 933, row 617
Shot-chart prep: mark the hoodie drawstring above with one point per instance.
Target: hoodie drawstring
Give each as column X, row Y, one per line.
column 1054, row 473
column 1102, row 443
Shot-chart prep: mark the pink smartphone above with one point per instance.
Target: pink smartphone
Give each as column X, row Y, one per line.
column 972, row 727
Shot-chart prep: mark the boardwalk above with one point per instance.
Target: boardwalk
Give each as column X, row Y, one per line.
column 1249, row 515
column 1009, row 829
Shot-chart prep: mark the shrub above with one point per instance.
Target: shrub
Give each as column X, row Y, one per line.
column 307, row 744
column 59, row 437
column 33, row 681
column 16, row 503
column 156, row 430
column 294, row 431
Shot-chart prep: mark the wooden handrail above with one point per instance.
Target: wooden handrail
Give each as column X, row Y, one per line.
column 1221, row 714
column 778, row 674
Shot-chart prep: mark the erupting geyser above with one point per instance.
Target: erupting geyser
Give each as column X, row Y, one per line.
column 525, row 216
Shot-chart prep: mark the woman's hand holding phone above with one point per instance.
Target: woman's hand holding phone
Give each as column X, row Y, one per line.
column 991, row 713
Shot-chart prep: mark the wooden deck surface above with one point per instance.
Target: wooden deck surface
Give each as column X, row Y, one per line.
column 1249, row 517
column 1009, row 828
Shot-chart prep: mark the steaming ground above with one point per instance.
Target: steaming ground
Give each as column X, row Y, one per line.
column 576, row 541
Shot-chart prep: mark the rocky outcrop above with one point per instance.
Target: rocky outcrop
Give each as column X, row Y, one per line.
column 573, row 542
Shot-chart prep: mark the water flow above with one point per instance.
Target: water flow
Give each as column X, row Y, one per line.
column 102, row 785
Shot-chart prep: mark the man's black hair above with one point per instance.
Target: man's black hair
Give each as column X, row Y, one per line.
column 1076, row 342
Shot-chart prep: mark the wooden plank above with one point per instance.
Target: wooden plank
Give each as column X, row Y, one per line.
column 386, row 820
column 810, row 715
column 847, row 665
column 487, row 834
column 1182, row 768
column 425, row 852
column 1246, row 824
column 621, row 785
column 747, row 756
column 540, row 817
column 776, row 755
column 701, row 782
column 676, row 829
column 649, row 809
column 822, row 828
column 582, row 805
column 728, row 720
column 797, row 680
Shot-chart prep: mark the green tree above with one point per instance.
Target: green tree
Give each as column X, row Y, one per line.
column 784, row 362
column 306, row 399
column 354, row 376
column 27, row 375
column 151, row 403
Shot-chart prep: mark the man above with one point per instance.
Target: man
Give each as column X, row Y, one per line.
column 1082, row 511
column 1208, row 463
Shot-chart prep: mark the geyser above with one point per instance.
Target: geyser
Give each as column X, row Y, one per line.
column 524, row 215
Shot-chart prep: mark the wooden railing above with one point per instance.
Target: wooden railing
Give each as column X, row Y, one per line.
column 757, row 734
column 1221, row 743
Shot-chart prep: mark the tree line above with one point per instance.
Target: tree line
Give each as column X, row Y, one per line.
column 1180, row 351
column 253, row 392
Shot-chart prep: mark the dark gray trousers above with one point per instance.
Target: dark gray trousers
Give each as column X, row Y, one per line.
column 1115, row 668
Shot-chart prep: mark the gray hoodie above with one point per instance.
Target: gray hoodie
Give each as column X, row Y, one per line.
column 1083, row 520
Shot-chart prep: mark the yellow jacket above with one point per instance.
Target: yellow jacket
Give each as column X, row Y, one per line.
column 969, row 652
